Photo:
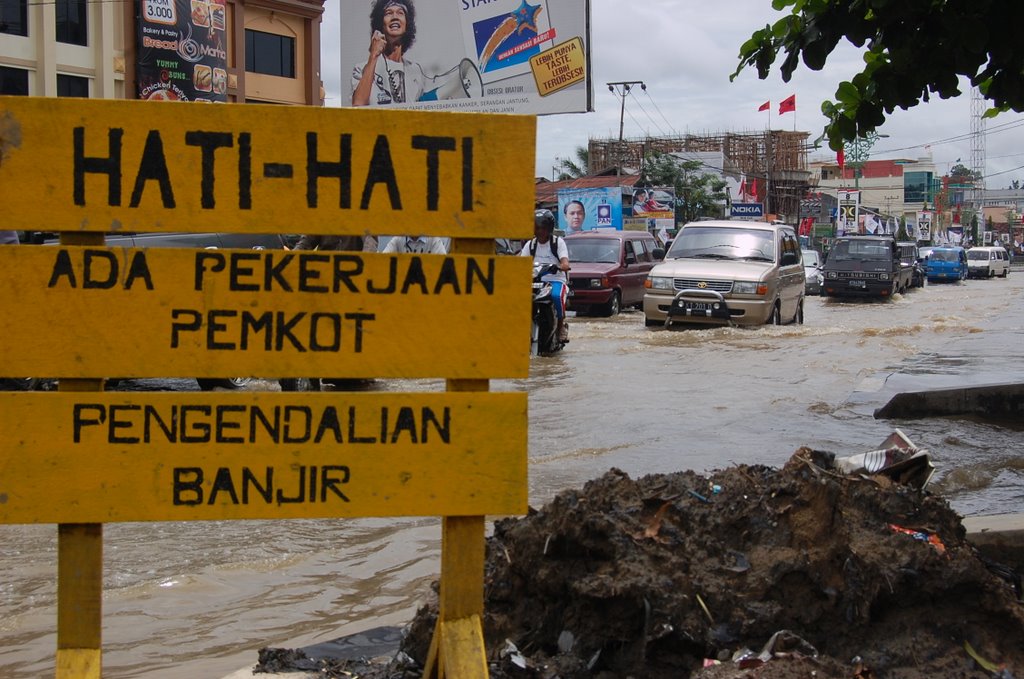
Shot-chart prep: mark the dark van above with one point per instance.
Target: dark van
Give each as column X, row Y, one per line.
column 609, row 269
column 865, row 266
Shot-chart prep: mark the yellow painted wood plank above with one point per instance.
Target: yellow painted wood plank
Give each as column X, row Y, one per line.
column 78, row 663
column 462, row 648
column 107, row 165
column 462, row 567
column 111, row 312
column 79, row 600
column 432, row 666
column 162, row 456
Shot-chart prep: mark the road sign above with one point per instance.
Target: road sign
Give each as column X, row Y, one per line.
column 102, row 457
column 104, row 165
column 267, row 313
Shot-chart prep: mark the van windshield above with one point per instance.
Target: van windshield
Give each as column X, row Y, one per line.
column 977, row 255
column 595, row 250
column 723, row 243
column 855, row 249
column 944, row 255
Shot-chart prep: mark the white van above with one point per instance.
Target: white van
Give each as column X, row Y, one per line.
column 986, row 262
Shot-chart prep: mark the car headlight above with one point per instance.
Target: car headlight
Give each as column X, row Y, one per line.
column 595, row 282
column 883, row 276
column 660, row 283
column 747, row 288
column 832, row 275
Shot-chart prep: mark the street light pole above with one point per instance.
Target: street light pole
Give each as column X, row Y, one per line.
column 622, row 88
column 857, row 153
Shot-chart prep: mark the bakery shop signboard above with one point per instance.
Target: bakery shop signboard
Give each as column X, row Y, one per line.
column 181, row 48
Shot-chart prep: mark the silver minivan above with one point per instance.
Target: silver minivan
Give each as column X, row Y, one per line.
column 986, row 262
column 728, row 273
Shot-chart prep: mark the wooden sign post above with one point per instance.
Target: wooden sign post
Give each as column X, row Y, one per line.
column 82, row 457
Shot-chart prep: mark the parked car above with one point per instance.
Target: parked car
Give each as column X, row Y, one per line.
column 946, row 264
column 198, row 240
column 812, row 272
column 728, row 272
column 986, row 262
column 609, row 269
column 865, row 266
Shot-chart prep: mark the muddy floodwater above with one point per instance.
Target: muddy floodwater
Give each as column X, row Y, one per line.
column 199, row 599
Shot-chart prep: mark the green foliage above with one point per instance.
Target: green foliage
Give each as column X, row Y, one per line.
column 570, row 168
column 698, row 193
column 960, row 174
column 913, row 49
column 902, row 232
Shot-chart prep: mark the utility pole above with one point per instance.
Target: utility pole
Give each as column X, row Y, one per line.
column 622, row 88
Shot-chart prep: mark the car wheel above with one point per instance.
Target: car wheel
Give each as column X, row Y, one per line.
column 799, row 317
column 209, row 384
column 776, row 317
column 299, row 384
column 614, row 305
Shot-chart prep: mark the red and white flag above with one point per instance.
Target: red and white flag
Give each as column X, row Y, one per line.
column 788, row 104
column 765, row 106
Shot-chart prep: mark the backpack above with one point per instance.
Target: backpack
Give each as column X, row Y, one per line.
column 554, row 246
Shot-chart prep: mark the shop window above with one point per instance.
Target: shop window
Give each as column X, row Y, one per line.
column 72, row 26
column 13, row 81
column 269, row 53
column 72, row 86
column 14, row 17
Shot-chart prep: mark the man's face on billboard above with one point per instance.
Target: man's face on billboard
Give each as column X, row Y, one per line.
column 394, row 20
column 575, row 213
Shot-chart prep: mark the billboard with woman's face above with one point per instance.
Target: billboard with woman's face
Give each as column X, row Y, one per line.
column 181, row 50
column 491, row 56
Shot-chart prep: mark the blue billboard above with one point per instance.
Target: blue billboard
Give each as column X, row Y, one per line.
column 588, row 209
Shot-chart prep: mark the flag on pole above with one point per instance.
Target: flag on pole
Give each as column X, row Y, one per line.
column 753, row 188
column 743, row 189
column 841, row 159
column 765, row 106
column 788, row 104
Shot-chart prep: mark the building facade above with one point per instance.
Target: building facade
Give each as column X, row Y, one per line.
column 265, row 51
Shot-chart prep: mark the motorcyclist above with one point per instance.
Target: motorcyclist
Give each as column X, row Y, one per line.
column 546, row 248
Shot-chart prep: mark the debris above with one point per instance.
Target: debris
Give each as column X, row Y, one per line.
column 796, row 548
column 897, row 458
column 796, row 561
column 921, row 535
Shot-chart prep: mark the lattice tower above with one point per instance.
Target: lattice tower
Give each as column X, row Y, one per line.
column 978, row 146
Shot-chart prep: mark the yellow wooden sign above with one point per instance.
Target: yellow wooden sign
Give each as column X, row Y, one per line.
column 106, row 165
column 76, row 311
column 102, row 457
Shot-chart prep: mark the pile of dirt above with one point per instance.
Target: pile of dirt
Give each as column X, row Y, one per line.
column 775, row 573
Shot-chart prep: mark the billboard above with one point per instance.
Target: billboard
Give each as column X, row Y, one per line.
column 490, row 56
column 181, row 53
column 587, row 209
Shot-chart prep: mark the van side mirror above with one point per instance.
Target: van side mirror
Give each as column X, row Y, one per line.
column 630, row 258
column 658, row 254
column 789, row 258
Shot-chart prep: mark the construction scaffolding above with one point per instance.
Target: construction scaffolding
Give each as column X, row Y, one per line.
column 776, row 159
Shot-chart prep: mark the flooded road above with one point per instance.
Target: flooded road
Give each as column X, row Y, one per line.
column 198, row 599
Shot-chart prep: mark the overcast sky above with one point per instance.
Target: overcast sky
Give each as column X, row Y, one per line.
column 684, row 51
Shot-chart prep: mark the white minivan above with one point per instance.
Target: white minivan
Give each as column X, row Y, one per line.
column 986, row 262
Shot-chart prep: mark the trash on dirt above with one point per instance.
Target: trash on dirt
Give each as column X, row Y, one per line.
column 897, row 458
column 650, row 583
column 922, row 535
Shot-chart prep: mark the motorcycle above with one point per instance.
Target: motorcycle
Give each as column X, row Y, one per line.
column 544, row 339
